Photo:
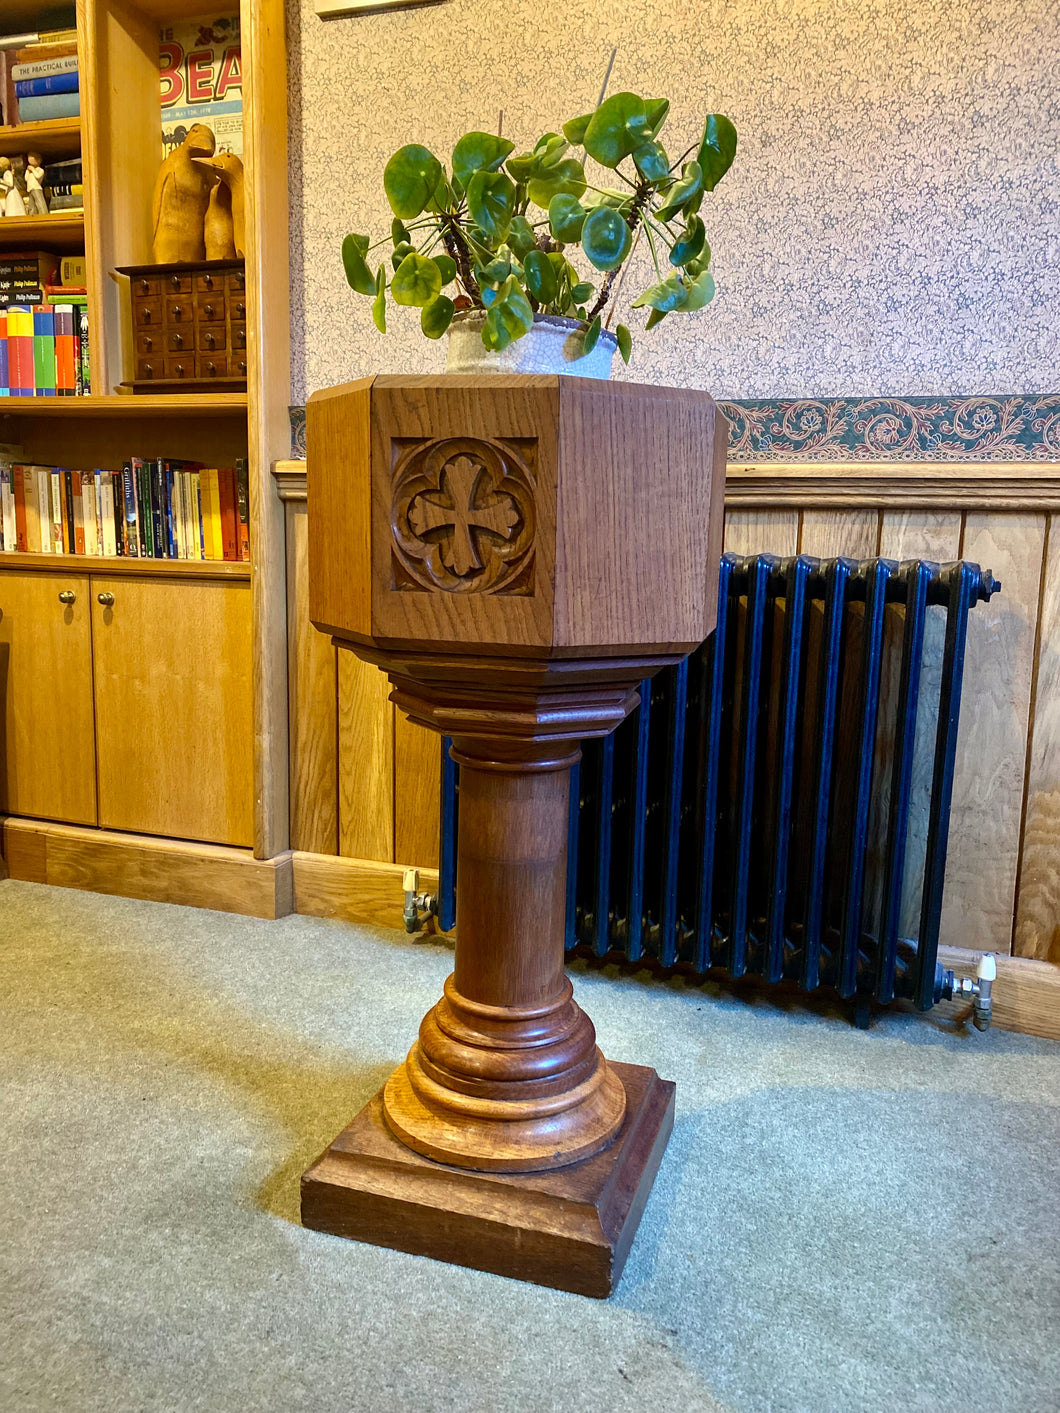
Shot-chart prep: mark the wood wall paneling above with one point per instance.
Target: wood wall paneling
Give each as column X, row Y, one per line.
column 830, row 533
column 366, row 761
column 417, row 795
column 762, row 532
column 312, row 684
column 980, row 894
column 1037, row 932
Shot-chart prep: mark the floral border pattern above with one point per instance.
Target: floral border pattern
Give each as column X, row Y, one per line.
column 876, row 429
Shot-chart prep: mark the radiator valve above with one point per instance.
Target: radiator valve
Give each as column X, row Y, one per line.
column 979, row 991
column 418, row 906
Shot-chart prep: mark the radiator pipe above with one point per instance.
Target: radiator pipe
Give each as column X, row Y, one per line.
column 978, row 990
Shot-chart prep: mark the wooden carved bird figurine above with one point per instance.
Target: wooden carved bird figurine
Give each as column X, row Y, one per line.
column 182, row 194
column 225, row 219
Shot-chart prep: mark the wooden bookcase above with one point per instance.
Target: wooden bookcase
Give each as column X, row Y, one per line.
column 163, row 713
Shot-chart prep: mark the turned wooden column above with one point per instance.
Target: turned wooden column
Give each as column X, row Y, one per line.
column 518, row 554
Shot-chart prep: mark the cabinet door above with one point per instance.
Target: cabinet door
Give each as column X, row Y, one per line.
column 47, row 752
column 174, row 719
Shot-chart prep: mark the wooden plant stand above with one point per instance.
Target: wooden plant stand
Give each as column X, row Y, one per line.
column 517, row 553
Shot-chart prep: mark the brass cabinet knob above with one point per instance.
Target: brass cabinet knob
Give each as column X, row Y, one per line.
column 107, row 600
column 178, row 340
column 67, row 596
column 174, row 280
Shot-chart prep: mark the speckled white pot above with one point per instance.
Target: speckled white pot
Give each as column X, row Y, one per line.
column 553, row 345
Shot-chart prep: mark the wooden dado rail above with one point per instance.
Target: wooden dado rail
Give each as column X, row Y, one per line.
column 364, row 782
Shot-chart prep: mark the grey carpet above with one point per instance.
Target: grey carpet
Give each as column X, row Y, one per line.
column 843, row 1220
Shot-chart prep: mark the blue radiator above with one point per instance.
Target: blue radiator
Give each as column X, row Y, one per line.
column 778, row 804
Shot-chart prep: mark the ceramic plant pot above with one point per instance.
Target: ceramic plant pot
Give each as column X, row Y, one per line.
column 553, row 345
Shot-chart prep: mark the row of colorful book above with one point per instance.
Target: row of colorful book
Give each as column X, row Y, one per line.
column 44, row 349
column 150, row 509
column 41, row 80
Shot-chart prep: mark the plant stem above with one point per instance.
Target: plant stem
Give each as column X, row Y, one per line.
column 456, row 246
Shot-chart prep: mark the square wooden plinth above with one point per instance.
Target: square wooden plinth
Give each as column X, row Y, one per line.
column 571, row 1228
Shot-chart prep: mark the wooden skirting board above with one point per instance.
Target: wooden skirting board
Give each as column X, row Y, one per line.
column 1026, row 993
column 139, row 866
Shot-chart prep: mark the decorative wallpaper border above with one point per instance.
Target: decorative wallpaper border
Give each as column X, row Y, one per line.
column 1007, row 428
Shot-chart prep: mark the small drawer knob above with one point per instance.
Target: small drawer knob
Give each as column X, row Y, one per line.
column 107, row 600
column 178, row 340
column 210, row 339
column 67, row 596
column 174, row 280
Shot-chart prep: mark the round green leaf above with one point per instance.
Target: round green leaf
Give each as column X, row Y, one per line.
column 592, row 336
column 670, row 294
column 581, row 292
column 656, row 110
column 496, row 272
column 651, row 162
column 436, row 317
column 379, row 303
column 491, row 203
column 540, row 277
column 358, row 274
column 509, row 317
column 691, row 243
column 717, row 150
column 625, row 341
column 446, row 268
column 574, row 131
column 479, row 152
column 566, row 178
column 619, row 125
column 566, row 216
column 417, row 281
column 521, row 236
column 682, row 193
column 700, row 291
column 409, row 180
column 605, row 238
column 398, row 233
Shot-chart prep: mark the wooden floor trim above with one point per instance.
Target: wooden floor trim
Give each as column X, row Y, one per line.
column 1026, row 993
column 139, row 866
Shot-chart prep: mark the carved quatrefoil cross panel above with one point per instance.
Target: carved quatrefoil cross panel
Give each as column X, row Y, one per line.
column 463, row 516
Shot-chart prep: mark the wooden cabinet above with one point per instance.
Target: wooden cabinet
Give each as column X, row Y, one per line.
column 47, row 755
column 141, row 687
column 174, row 716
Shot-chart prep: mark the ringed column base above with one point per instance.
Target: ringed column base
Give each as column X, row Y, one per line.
column 570, row 1228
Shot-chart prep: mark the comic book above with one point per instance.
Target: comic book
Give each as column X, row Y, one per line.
column 202, row 82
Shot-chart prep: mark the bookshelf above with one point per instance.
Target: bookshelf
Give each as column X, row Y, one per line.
column 186, row 670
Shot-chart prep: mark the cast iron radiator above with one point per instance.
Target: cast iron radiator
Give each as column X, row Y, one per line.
column 778, row 804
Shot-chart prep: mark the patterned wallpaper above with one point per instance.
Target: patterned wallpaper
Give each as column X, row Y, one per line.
column 891, row 228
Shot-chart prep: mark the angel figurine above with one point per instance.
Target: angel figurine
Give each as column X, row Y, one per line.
column 35, row 198
column 10, row 189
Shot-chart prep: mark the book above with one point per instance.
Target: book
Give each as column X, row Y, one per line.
column 211, row 514
column 32, row 267
column 72, row 271
column 77, row 511
column 88, row 512
column 201, row 81
column 20, row 350
column 243, row 505
column 5, row 385
column 50, row 105
column 41, row 50
column 7, row 506
column 70, row 204
column 50, row 83
column 57, row 510
column 65, row 373
column 44, row 351
column 42, row 68
column 84, row 380
column 32, row 504
column 68, row 511
column 226, row 485
column 106, row 505
column 130, row 531
column 44, row 508
column 18, row 494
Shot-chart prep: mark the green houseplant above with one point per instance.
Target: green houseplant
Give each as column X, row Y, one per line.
column 504, row 238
